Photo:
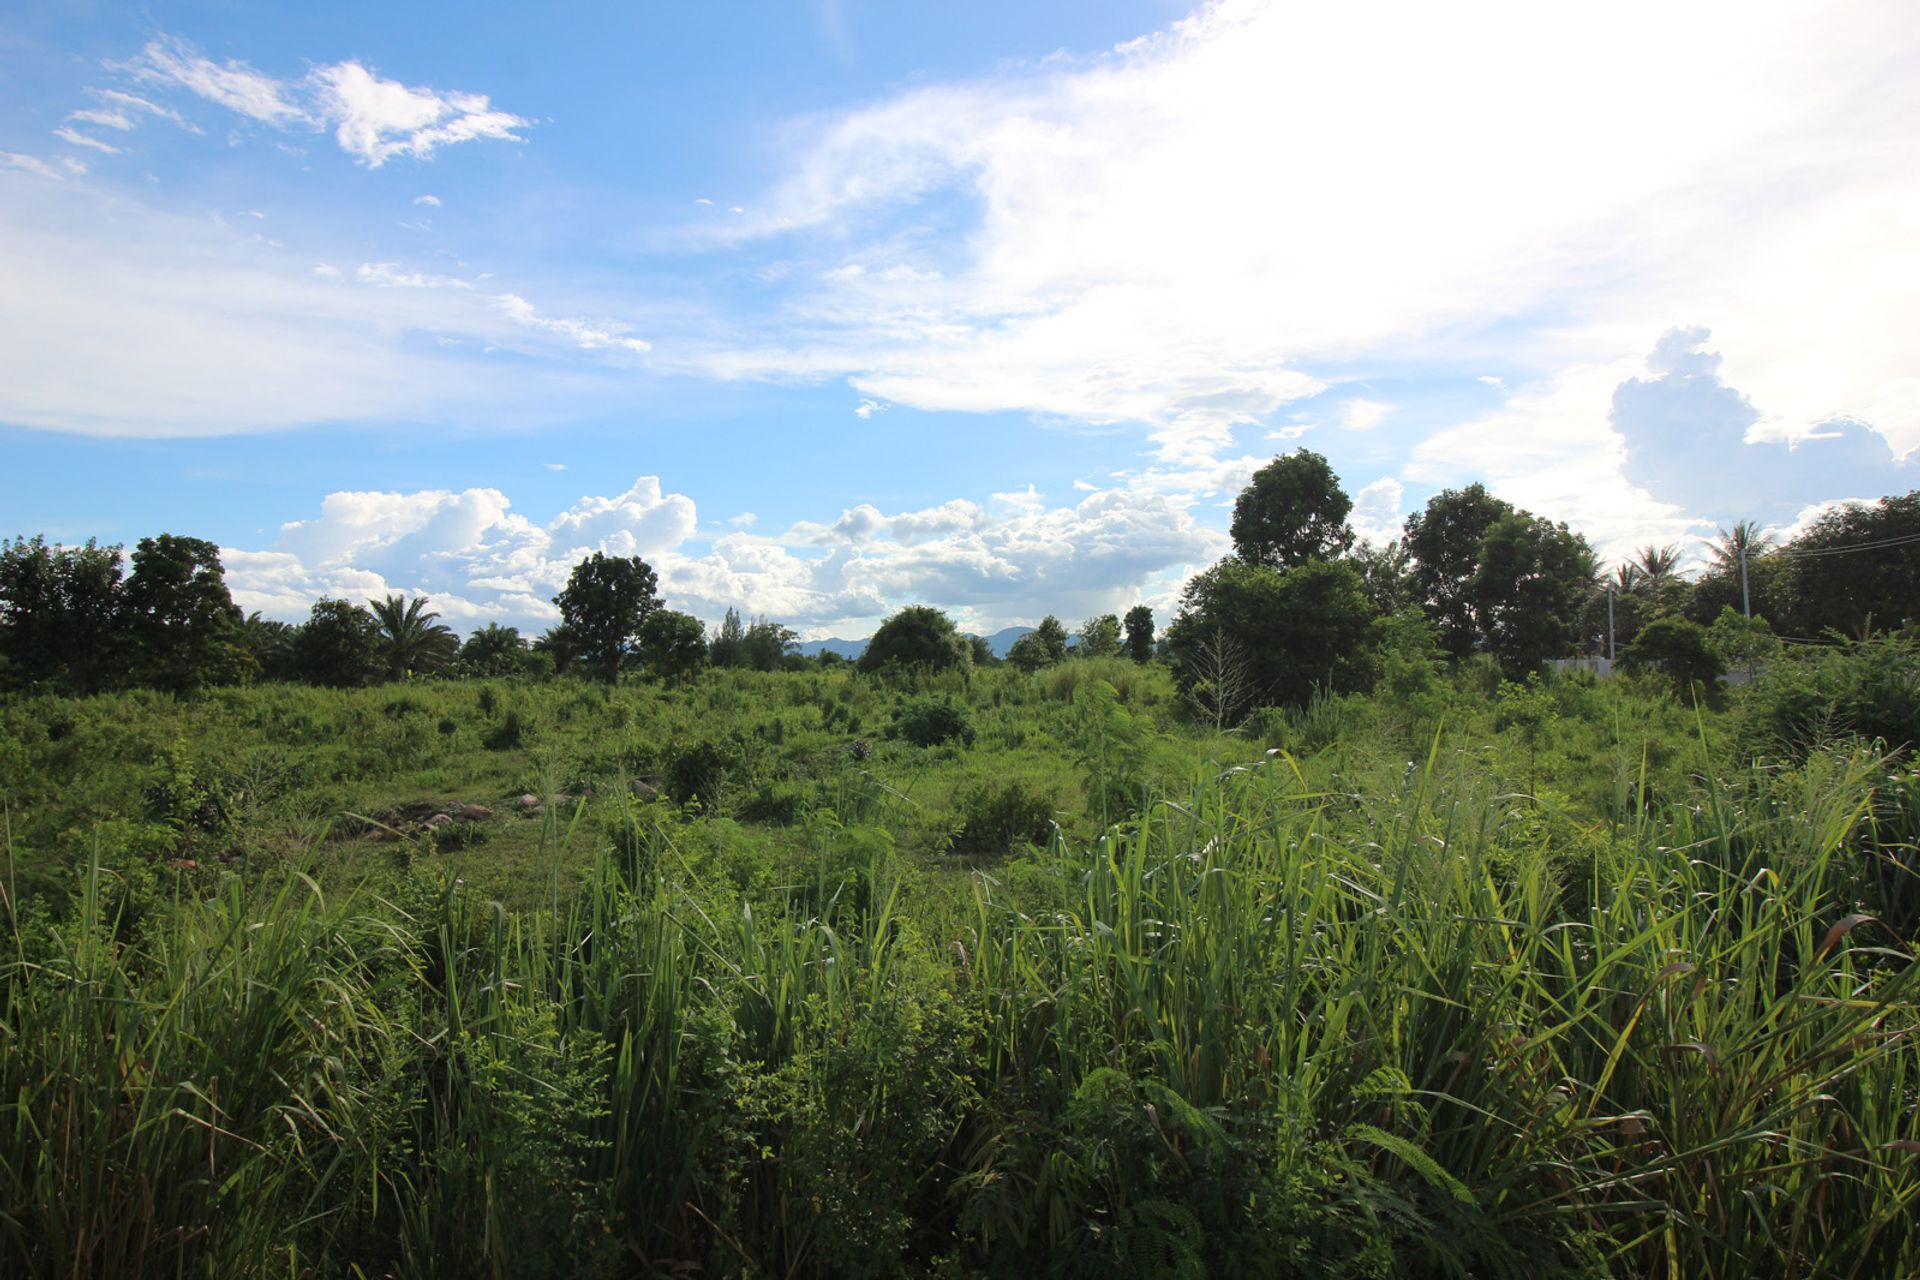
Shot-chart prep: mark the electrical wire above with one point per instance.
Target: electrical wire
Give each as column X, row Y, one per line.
column 1900, row 541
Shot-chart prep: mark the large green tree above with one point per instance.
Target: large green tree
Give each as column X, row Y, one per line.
column 1041, row 647
column 727, row 647
column 1294, row 510
column 764, row 645
column 1527, row 591
column 412, row 640
column 182, row 624
column 1855, row 564
column 59, row 615
column 338, row 646
column 918, row 635
column 605, row 603
column 1098, row 637
column 1443, row 544
column 1294, row 631
column 1140, row 633
column 673, row 645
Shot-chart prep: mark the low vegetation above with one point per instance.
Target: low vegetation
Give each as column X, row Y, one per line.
column 965, row 972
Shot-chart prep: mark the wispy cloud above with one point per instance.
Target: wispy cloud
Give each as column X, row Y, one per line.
column 373, row 119
column 78, row 139
column 587, row 335
column 30, row 164
column 233, row 85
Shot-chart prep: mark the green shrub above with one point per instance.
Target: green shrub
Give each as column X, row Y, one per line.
column 514, row 731
column 698, row 771
column 997, row 817
column 930, row 723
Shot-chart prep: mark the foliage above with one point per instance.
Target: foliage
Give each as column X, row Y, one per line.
column 338, row 646
column 1527, row 590
column 726, row 650
column 931, row 722
column 765, row 645
column 917, row 635
column 1739, row 641
column 1814, row 695
column 999, row 816
column 1678, row 650
column 1041, row 647
column 1295, row 631
column 1098, row 637
column 673, row 645
column 1856, row 563
column 603, row 606
column 1478, row 1014
column 411, row 641
column 494, row 650
column 1292, row 511
column 181, row 624
column 1443, row 542
column 1140, row 633
column 59, row 614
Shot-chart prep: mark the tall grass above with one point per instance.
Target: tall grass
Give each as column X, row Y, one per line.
column 1270, row 1027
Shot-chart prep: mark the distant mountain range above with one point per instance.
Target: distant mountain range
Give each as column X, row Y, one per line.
column 997, row 644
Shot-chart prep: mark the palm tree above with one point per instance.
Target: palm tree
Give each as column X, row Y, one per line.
column 1738, row 546
column 494, row 650
column 1746, row 541
column 411, row 638
column 1657, row 565
column 271, row 644
column 1626, row 579
column 562, row 644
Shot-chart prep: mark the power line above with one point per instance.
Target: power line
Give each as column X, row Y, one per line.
column 1899, row 541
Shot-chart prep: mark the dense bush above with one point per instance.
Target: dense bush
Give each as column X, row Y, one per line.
column 1000, row 816
column 1818, row 693
column 929, row 723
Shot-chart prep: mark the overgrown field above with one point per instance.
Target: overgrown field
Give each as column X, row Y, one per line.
column 998, row 974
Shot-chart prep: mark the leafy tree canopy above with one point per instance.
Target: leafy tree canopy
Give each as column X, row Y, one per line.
column 1854, row 564
column 1140, row 633
column 1294, row 510
column 1527, row 591
column 1443, row 547
column 338, row 646
column 1300, row 630
column 59, row 614
column 1041, row 647
column 918, row 635
column 1098, row 637
column 672, row 644
column 181, row 620
column 604, row 604
column 1677, row 649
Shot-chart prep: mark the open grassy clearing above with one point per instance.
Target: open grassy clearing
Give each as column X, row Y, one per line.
column 1548, row 978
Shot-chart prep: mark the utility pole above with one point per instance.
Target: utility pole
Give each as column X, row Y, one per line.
column 1746, row 605
column 1609, row 625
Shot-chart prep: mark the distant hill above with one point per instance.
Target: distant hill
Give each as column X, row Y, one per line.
column 1000, row 641
column 845, row 648
column 997, row 644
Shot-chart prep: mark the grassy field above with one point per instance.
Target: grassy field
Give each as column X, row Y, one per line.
column 740, row 978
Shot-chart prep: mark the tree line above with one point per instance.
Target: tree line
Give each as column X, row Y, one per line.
column 1300, row 605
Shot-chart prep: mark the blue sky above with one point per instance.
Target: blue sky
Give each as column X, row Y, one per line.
column 830, row 308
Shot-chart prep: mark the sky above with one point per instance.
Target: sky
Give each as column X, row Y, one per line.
column 828, row 308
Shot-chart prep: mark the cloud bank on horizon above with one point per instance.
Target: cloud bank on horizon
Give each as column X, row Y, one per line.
column 1648, row 271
